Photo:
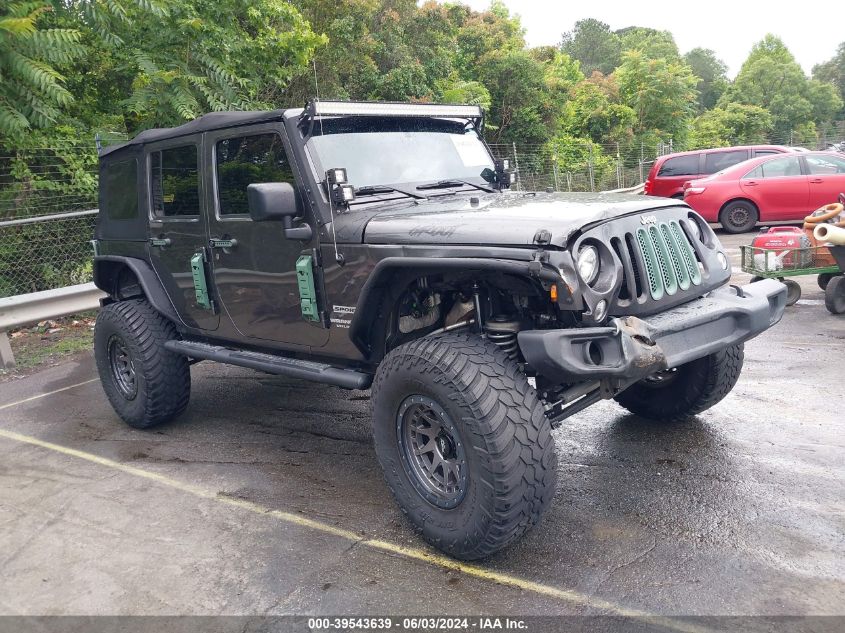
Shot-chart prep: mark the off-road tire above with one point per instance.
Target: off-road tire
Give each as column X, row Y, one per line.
column 693, row 388
column 739, row 216
column 510, row 453
column 162, row 378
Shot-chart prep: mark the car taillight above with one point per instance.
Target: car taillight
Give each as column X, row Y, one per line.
column 691, row 191
column 647, row 187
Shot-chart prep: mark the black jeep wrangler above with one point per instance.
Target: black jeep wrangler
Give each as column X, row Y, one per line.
column 377, row 245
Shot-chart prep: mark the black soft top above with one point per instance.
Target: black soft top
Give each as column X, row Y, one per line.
column 210, row 121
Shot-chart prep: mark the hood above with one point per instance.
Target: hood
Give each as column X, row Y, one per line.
column 510, row 219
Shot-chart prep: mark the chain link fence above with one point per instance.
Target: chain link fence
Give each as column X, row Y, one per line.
column 44, row 240
column 48, row 196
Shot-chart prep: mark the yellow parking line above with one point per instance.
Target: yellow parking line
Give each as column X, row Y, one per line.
column 413, row 553
column 44, row 395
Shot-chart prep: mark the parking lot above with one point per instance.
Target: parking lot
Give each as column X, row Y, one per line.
column 265, row 498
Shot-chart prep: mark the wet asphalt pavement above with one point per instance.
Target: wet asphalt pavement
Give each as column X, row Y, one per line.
column 738, row 511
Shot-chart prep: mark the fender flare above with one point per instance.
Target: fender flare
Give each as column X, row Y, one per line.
column 147, row 278
column 383, row 283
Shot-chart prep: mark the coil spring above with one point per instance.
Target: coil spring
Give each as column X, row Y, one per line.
column 503, row 333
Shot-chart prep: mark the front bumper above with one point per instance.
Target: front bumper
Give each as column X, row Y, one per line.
column 632, row 348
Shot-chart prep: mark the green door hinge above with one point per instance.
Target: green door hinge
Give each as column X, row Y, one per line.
column 200, row 282
column 307, row 294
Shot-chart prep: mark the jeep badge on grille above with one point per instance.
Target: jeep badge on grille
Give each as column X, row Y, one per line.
column 648, row 219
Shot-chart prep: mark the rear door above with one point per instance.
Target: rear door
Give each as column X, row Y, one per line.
column 254, row 264
column 779, row 188
column 178, row 229
column 826, row 178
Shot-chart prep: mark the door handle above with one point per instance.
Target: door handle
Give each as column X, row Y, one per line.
column 222, row 242
column 817, row 181
column 751, row 183
column 161, row 242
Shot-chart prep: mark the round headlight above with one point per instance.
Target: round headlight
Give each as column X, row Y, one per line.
column 588, row 264
column 723, row 261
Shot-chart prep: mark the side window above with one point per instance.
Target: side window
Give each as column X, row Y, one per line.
column 757, row 172
column 717, row 161
column 825, row 165
column 680, row 166
column 174, row 182
column 119, row 190
column 782, row 167
column 245, row 160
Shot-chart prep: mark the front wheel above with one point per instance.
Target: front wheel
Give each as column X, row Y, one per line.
column 675, row 394
column 739, row 216
column 464, row 443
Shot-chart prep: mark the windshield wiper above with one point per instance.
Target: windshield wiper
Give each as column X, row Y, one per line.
column 367, row 190
column 445, row 184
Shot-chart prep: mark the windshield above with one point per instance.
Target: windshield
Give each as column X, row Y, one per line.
column 399, row 150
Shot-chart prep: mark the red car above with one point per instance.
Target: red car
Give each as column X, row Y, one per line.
column 768, row 189
column 669, row 173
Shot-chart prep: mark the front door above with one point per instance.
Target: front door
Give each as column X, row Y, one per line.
column 178, row 229
column 779, row 188
column 254, row 264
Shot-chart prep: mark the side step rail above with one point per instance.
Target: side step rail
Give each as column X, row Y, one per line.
column 272, row 364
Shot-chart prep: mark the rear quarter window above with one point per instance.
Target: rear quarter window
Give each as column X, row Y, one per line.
column 680, row 166
column 717, row 161
column 119, row 190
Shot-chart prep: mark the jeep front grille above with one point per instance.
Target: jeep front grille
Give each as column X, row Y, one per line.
column 657, row 259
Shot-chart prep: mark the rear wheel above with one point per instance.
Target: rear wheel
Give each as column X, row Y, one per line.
column 687, row 390
column 824, row 279
column 739, row 216
column 464, row 443
column 834, row 295
column 145, row 383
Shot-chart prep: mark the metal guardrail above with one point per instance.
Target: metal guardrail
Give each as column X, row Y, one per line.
column 636, row 189
column 31, row 308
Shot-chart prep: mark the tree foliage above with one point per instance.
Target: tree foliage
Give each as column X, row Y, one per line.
column 593, row 45
column 120, row 66
column 32, row 90
column 712, row 76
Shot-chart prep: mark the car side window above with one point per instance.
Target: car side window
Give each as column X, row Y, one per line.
column 717, row 161
column 757, row 172
column 680, row 166
column 782, row 167
column 246, row 160
column 825, row 165
column 174, row 182
column 119, row 187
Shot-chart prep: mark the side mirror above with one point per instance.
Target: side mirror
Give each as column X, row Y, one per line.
column 277, row 201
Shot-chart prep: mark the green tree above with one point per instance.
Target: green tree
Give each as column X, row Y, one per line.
column 661, row 93
column 833, row 71
column 32, row 90
column 205, row 56
column 772, row 79
column 735, row 124
column 593, row 45
column 712, row 76
column 652, row 43
column 595, row 111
